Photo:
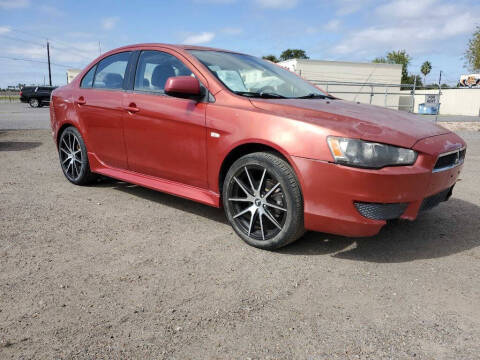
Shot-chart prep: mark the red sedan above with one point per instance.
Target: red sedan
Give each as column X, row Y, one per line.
column 228, row 129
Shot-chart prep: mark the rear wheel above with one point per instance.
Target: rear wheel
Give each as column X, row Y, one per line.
column 34, row 103
column 73, row 157
column 263, row 201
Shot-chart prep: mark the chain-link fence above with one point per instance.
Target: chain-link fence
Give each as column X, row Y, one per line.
column 9, row 96
column 429, row 99
column 395, row 96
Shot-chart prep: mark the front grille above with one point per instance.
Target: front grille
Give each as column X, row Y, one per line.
column 381, row 211
column 449, row 160
column 434, row 200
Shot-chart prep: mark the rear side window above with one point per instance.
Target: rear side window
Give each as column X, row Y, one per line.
column 111, row 71
column 87, row 81
column 154, row 68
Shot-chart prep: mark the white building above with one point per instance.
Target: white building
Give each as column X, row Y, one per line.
column 346, row 80
column 71, row 74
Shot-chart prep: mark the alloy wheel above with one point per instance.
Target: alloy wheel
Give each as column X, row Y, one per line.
column 71, row 156
column 258, row 203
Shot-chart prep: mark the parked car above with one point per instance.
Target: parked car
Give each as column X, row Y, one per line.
column 280, row 158
column 471, row 80
column 36, row 96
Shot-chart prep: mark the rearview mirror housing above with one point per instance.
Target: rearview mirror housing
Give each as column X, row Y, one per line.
column 182, row 86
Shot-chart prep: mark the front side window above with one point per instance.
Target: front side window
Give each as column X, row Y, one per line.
column 87, row 81
column 111, row 71
column 250, row 76
column 154, row 68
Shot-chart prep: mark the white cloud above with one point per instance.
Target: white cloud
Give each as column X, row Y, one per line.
column 348, row 7
column 216, row 1
column 201, row 38
column 51, row 10
column 110, row 22
column 407, row 8
column 4, row 29
column 332, row 25
column 277, row 4
column 232, row 31
column 416, row 26
column 14, row 4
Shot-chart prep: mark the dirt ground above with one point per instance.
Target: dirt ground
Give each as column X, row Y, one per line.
column 116, row 271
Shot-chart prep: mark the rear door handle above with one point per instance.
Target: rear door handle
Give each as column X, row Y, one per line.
column 132, row 108
column 81, row 101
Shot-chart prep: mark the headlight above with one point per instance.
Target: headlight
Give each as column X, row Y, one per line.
column 359, row 153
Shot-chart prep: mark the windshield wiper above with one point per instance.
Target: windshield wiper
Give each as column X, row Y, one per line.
column 315, row 96
column 266, row 95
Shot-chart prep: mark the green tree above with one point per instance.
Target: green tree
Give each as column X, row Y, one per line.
column 397, row 57
column 425, row 69
column 293, row 54
column 411, row 80
column 271, row 58
column 472, row 54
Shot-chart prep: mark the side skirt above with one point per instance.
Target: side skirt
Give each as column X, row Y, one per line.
column 194, row 193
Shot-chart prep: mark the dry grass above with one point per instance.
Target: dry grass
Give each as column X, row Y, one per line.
column 458, row 126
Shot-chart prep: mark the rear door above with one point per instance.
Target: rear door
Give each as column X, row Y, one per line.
column 165, row 136
column 99, row 106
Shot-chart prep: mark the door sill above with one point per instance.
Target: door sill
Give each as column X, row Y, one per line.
column 194, row 193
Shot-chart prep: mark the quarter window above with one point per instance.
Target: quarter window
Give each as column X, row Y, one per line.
column 154, row 68
column 87, row 81
column 111, row 71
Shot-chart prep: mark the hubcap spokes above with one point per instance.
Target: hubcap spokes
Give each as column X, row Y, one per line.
column 259, row 208
column 71, row 156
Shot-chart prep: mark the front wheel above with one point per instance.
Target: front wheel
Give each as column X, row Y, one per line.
column 263, row 201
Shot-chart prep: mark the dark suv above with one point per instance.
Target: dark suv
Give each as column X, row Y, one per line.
column 36, row 96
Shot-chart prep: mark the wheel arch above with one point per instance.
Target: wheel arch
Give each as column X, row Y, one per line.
column 62, row 129
column 251, row 147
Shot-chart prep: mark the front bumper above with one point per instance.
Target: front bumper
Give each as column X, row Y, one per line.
column 332, row 192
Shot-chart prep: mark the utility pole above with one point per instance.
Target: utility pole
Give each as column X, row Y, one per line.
column 439, row 93
column 49, row 68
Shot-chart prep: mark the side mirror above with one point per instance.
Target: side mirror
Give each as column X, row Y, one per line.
column 182, row 86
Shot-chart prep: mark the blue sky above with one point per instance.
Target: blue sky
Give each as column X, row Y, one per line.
column 350, row 30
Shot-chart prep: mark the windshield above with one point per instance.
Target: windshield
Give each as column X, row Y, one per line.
column 250, row 76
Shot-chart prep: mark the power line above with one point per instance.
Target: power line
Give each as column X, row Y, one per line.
column 35, row 61
column 23, row 40
column 43, row 45
column 67, row 46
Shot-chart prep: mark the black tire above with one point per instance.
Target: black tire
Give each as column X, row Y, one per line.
column 72, row 153
column 34, row 103
column 273, row 192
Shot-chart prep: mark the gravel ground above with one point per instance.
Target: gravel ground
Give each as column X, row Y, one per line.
column 22, row 116
column 117, row 271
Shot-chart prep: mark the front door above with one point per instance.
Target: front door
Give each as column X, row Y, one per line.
column 165, row 136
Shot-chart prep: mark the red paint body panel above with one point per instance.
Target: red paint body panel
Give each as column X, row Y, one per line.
column 165, row 143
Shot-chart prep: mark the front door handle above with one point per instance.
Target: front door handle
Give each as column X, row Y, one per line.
column 132, row 108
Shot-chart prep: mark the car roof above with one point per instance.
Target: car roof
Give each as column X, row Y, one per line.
column 174, row 47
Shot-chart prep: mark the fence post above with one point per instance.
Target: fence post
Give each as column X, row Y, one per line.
column 327, row 87
column 386, row 91
column 412, row 108
column 371, row 94
column 439, row 94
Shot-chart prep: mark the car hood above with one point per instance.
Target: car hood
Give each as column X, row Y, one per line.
column 356, row 120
